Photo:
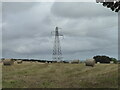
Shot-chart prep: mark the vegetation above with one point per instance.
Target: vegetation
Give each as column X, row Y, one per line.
column 114, row 60
column 114, row 6
column 59, row 75
column 104, row 59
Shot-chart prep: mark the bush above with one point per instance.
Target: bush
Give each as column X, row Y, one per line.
column 102, row 59
column 114, row 60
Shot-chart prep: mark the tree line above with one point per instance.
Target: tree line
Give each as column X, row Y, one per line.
column 104, row 59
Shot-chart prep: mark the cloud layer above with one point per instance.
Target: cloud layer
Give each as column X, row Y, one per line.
column 0, row 29
column 89, row 29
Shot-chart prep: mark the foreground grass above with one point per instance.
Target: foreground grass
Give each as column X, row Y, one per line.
column 36, row 75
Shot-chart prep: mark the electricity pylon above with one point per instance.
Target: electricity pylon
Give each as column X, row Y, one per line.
column 57, row 53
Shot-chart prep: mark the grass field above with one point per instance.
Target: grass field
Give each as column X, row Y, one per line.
column 59, row 75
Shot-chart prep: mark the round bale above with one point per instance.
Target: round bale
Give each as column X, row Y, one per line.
column 98, row 62
column 19, row 61
column 90, row 62
column 7, row 62
column 75, row 61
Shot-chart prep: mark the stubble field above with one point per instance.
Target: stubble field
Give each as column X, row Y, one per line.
column 59, row 75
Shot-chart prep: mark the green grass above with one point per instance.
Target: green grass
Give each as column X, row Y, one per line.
column 36, row 75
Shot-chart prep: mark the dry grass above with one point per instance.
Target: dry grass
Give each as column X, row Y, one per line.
column 36, row 75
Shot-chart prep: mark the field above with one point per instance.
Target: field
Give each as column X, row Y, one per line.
column 59, row 75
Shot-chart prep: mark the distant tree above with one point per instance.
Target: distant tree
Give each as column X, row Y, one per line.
column 114, row 60
column 118, row 61
column 114, row 6
column 102, row 59
column 2, row 58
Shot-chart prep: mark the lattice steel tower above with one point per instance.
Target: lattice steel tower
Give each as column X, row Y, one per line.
column 57, row 53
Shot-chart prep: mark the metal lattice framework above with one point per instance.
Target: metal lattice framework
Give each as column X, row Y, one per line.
column 57, row 53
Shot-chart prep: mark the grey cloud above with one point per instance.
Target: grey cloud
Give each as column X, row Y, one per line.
column 0, row 29
column 17, row 7
column 96, row 27
column 87, row 30
column 80, row 10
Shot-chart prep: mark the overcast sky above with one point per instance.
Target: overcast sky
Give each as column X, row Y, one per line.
column 89, row 29
column 0, row 30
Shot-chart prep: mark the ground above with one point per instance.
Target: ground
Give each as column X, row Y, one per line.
column 59, row 75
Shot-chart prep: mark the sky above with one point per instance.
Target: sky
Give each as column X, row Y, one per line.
column 0, row 29
column 89, row 29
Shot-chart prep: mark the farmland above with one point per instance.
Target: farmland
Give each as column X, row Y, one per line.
column 59, row 75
